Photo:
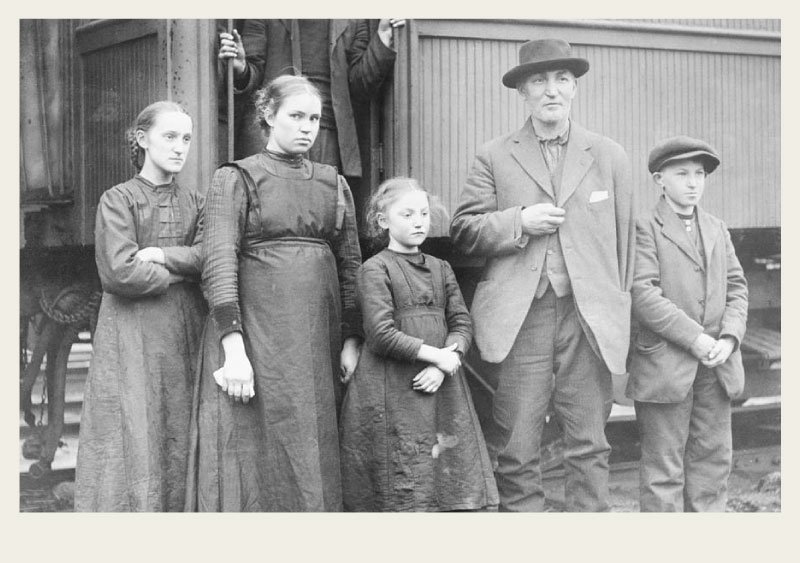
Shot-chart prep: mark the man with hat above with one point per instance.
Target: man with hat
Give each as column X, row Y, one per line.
column 690, row 302
column 549, row 207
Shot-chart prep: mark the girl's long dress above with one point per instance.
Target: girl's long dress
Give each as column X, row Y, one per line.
column 280, row 261
column 134, row 433
column 404, row 450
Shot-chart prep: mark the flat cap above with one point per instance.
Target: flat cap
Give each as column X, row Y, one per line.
column 681, row 148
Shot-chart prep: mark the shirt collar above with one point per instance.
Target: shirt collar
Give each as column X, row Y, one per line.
column 561, row 138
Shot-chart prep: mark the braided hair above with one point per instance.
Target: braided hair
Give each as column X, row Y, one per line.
column 270, row 98
column 144, row 121
column 386, row 194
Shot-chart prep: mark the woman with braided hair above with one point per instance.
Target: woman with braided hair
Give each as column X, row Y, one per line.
column 134, row 431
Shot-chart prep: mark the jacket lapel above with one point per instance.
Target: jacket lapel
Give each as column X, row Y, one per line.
column 673, row 229
column 527, row 153
column 707, row 233
column 577, row 162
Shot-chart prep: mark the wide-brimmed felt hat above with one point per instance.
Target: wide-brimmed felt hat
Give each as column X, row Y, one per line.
column 541, row 55
column 682, row 148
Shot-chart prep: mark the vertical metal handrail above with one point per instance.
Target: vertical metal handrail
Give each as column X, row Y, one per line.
column 230, row 99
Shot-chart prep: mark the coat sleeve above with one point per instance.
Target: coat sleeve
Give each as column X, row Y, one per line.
column 188, row 260
column 459, row 322
column 254, row 40
column 377, row 306
column 369, row 61
column 478, row 227
column 650, row 307
column 734, row 319
column 348, row 259
column 121, row 272
column 626, row 223
column 224, row 224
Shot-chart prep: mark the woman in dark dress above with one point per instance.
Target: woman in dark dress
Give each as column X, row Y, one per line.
column 134, row 433
column 410, row 436
column 280, row 257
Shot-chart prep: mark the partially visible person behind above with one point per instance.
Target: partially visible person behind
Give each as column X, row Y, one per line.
column 410, row 437
column 134, row 433
column 280, row 259
column 341, row 58
column 690, row 301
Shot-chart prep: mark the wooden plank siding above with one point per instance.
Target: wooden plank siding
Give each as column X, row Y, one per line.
column 640, row 88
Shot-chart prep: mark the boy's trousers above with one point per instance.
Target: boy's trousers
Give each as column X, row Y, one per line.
column 551, row 357
column 686, row 449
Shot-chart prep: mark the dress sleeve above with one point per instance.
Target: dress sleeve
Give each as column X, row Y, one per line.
column 459, row 323
column 224, row 222
column 369, row 62
column 188, row 260
column 377, row 306
column 348, row 258
column 121, row 272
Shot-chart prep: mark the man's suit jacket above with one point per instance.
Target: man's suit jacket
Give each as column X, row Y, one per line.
column 676, row 297
column 359, row 64
column 596, row 237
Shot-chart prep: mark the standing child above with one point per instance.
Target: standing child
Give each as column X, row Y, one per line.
column 410, row 437
column 134, row 436
column 690, row 300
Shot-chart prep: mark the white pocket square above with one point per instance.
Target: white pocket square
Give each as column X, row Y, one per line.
column 594, row 197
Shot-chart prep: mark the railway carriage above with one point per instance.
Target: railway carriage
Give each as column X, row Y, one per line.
column 82, row 82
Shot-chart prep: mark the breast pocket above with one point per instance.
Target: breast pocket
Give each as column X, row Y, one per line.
column 601, row 202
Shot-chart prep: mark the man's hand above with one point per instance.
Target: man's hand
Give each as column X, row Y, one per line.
column 386, row 28
column 231, row 47
column 542, row 219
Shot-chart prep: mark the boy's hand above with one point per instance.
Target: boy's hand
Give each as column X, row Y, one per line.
column 428, row 380
column 702, row 347
column 720, row 352
column 448, row 360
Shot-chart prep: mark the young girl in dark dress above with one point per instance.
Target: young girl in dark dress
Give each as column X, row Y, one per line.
column 410, row 438
column 134, row 433
column 280, row 257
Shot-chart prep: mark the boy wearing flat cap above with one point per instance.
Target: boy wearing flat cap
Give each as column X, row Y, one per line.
column 690, row 302
column 549, row 207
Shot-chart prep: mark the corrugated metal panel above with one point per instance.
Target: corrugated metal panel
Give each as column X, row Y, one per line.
column 120, row 80
column 635, row 96
column 743, row 24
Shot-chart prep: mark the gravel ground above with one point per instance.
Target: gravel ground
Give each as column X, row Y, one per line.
column 754, row 486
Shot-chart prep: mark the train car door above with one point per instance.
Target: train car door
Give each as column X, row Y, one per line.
column 124, row 65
